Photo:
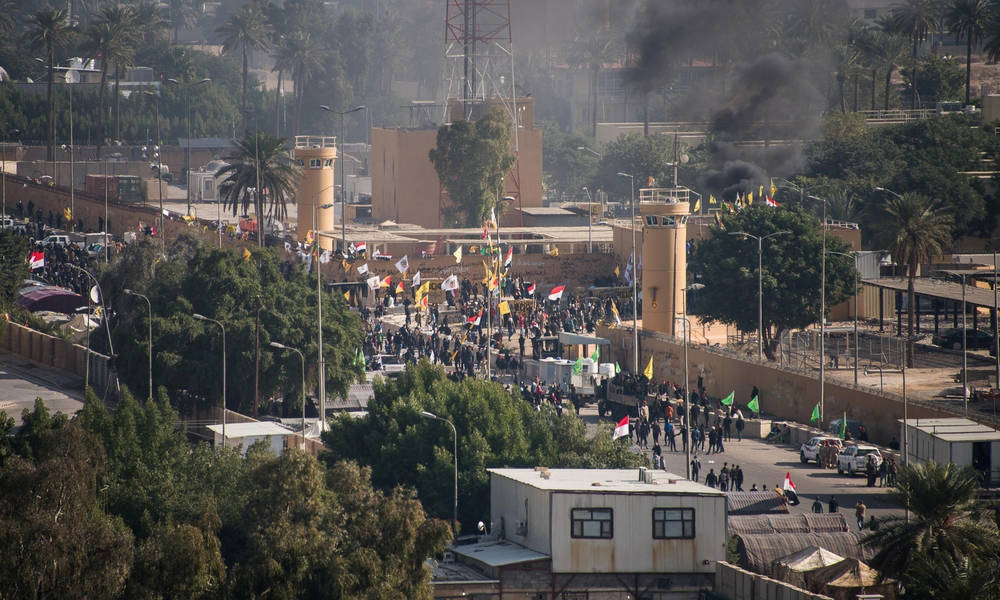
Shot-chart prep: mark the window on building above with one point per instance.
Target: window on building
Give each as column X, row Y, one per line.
column 328, row 162
column 300, row 163
column 673, row 523
column 315, row 163
column 592, row 523
column 652, row 221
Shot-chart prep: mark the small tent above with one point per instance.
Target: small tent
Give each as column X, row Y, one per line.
column 794, row 567
column 846, row 579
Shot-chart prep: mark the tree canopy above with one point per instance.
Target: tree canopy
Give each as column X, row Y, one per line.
column 727, row 265
column 495, row 429
column 471, row 160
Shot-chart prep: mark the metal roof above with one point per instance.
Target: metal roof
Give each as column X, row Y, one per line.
column 253, row 429
column 602, row 481
column 755, row 503
column 797, row 523
column 937, row 288
column 954, row 430
column 575, row 338
column 498, row 553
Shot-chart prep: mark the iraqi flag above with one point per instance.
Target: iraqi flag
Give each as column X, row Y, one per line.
column 789, row 489
column 531, row 289
column 556, row 293
column 474, row 321
column 361, row 247
column 621, row 429
column 509, row 258
column 36, row 260
column 771, row 202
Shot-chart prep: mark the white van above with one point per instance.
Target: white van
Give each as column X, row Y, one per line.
column 56, row 240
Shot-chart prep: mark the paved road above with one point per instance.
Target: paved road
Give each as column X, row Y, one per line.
column 22, row 381
column 766, row 464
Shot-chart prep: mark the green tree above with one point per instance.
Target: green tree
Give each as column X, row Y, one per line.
column 8, row 16
column 271, row 159
column 944, row 522
column 592, row 51
column 916, row 19
column 915, row 230
column 13, row 267
column 246, row 29
column 49, row 29
column 941, row 78
column 495, row 429
column 109, row 38
column 182, row 16
column 471, row 160
column 968, row 19
column 727, row 266
column 640, row 156
column 566, row 168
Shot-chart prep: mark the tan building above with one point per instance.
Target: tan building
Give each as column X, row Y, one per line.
column 664, row 252
column 406, row 189
column 317, row 156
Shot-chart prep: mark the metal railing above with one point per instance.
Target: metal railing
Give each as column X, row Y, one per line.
column 896, row 115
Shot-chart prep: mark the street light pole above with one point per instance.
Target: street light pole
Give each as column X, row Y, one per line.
column 149, row 305
column 590, row 221
column 635, row 280
column 854, row 257
column 159, row 169
column 184, row 88
column 760, row 283
column 302, row 359
column 204, row 318
column 3, row 171
column 319, row 317
column 429, row 415
column 343, row 178
column 687, row 381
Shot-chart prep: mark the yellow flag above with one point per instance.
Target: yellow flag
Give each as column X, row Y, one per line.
column 617, row 271
column 711, row 201
column 458, row 255
column 346, row 266
column 697, row 206
column 554, row 251
column 422, row 291
column 487, row 273
column 67, row 214
column 504, row 308
column 773, row 190
column 750, row 198
column 453, row 355
column 648, row 371
column 246, row 255
column 347, row 296
column 760, row 192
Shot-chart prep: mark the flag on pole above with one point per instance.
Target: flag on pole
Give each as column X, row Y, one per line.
column 493, row 219
column 416, row 280
column 531, row 289
column 399, row 287
column 578, row 366
column 773, row 189
column 815, row 416
column 760, row 192
column 650, row 181
column 458, row 255
column 323, row 258
column 387, row 281
column 363, row 269
column 617, row 271
column 614, row 311
column 403, row 264
column 750, row 198
column 843, row 427
column 361, row 247
column 474, row 321
column 789, row 489
column 504, row 308
column 596, row 355
column 556, row 292
column 648, row 371
column 486, row 232
column 769, row 201
column 728, row 400
column 754, row 405
column 509, row 258
column 618, row 368
column 621, row 430
column 450, row 283
column 373, row 282
column 697, row 206
column 36, row 260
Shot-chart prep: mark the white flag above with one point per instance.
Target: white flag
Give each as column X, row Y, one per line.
column 363, row 269
column 325, row 257
column 449, row 284
column 373, row 282
column 458, row 255
column 416, row 280
column 403, row 264
column 94, row 297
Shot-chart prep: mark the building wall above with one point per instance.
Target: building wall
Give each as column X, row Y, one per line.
column 512, row 502
column 633, row 549
column 664, row 268
column 316, row 187
column 734, row 583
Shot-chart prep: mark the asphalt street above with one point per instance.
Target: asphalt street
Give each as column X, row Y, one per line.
column 22, row 381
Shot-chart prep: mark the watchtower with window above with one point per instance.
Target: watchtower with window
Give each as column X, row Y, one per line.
column 664, row 256
column 316, row 156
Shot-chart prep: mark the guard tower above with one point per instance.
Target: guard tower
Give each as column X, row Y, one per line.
column 664, row 255
column 316, row 155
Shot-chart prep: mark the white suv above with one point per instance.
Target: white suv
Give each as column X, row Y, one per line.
column 810, row 450
column 853, row 459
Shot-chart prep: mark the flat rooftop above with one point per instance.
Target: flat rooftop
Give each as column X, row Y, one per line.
column 498, row 553
column 607, row 480
column 954, row 429
column 261, row 428
column 406, row 233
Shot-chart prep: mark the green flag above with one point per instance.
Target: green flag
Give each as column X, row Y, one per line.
column 843, row 427
column 754, row 405
column 618, row 368
column 359, row 358
column 728, row 400
column 578, row 366
column 596, row 355
column 815, row 415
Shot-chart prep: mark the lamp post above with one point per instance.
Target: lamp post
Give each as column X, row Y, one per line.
column 429, row 415
column 635, row 280
column 687, row 380
column 590, row 221
column 204, row 318
column 183, row 88
column 343, row 179
column 319, row 318
column 996, row 332
column 760, row 283
column 965, row 346
column 149, row 305
column 854, row 257
column 3, row 170
column 302, row 359
column 159, row 167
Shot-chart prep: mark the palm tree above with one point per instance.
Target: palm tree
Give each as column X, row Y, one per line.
column 182, row 16
column 888, row 49
column 150, row 22
column 127, row 30
column 968, row 19
column 110, row 37
column 269, row 156
column 915, row 231
column 593, row 52
column 944, row 520
column 49, row 28
column 302, row 56
column 915, row 18
column 247, row 29
column 8, row 16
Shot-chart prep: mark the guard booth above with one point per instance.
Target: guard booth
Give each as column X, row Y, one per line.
column 957, row 441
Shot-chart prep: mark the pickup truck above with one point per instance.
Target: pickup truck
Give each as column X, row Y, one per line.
column 853, row 459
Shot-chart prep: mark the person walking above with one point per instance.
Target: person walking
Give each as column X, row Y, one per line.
column 695, row 468
column 656, row 431
column 817, row 506
column 713, row 439
column 711, row 479
column 738, row 478
column 859, row 514
column 718, row 439
column 833, row 506
column 670, row 435
column 739, row 426
column 724, row 480
column 883, row 471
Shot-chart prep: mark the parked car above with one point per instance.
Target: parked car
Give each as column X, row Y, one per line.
column 855, row 429
column 853, row 459
column 56, row 240
column 810, row 450
column 952, row 338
